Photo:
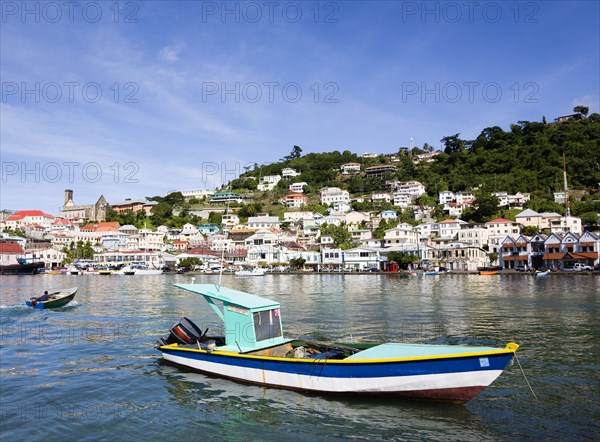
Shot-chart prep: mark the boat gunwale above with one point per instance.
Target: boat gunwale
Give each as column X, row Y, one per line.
column 507, row 350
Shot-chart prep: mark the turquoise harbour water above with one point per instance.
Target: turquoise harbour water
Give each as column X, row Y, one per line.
column 88, row 371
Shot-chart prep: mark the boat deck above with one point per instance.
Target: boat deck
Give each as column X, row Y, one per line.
column 396, row 350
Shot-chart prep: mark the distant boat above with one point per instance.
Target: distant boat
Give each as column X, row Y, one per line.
column 488, row 271
column 139, row 268
column 263, row 356
column 542, row 274
column 256, row 271
column 432, row 273
column 53, row 300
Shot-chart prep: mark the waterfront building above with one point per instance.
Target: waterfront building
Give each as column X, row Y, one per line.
column 498, row 229
column 456, row 256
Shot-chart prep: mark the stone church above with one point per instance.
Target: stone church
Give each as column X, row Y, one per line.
column 90, row 212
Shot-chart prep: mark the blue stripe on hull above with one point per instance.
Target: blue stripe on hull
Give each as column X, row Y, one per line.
column 356, row 369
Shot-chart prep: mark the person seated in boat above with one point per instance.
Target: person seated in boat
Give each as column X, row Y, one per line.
column 43, row 298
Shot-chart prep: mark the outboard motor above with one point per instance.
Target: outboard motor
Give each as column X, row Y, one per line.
column 185, row 332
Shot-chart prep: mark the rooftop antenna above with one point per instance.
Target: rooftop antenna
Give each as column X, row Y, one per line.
column 566, row 187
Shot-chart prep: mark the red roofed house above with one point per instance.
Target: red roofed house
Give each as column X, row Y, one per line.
column 295, row 200
column 19, row 219
column 9, row 252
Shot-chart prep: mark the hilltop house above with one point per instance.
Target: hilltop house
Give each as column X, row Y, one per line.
column 350, row 168
column 268, row 182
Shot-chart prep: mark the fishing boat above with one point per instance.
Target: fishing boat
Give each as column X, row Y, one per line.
column 255, row 271
column 53, row 300
column 254, row 350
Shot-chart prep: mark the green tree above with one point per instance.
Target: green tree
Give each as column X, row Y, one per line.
column 297, row 263
column 403, row 259
column 340, row 234
column 453, row 143
column 583, row 110
column 189, row 262
column 530, row 230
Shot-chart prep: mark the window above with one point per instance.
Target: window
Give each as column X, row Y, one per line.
column 267, row 324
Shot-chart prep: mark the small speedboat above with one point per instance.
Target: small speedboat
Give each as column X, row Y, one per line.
column 254, row 349
column 53, row 300
column 256, row 271
column 542, row 274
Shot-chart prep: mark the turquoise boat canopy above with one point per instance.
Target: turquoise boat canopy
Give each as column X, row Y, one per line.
column 250, row 322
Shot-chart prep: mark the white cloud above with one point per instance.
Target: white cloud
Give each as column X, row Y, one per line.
column 170, row 54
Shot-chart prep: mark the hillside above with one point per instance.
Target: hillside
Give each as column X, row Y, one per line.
column 527, row 158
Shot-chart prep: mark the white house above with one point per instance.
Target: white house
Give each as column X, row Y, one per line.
column 330, row 195
column 401, row 234
column 340, row 207
column 288, row 173
column 473, row 234
column 362, row 258
column 22, row 217
column 263, row 222
column 566, row 224
column 381, row 196
column 332, row 258
column 413, row 188
column 449, row 228
column 446, row 197
column 350, row 168
column 402, row 200
column 298, row 187
column 498, row 229
column 196, row 193
column 268, row 182
column 465, row 197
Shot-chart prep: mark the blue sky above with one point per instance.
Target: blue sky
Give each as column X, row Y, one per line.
column 156, row 96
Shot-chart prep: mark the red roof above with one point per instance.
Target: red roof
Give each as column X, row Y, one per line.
column 11, row 247
column 108, row 226
column 448, row 221
column 500, row 220
column 23, row 213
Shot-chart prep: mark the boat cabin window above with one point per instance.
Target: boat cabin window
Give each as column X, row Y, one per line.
column 267, row 324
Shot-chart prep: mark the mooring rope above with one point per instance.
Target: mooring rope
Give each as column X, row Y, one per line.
column 527, row 381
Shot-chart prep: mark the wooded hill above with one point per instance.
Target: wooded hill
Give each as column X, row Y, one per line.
column 527, row 158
